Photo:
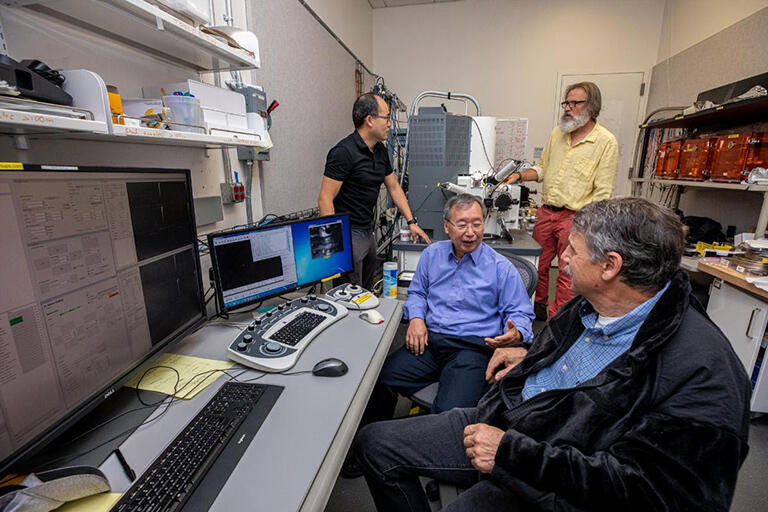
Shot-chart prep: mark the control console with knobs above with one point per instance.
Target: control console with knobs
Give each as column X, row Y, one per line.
column 274, row 342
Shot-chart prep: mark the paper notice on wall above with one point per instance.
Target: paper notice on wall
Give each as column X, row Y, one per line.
column 511, row 140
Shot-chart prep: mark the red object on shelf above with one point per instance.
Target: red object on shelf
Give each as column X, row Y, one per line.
column 667, row 159
column 730, row 157
column 695, row 159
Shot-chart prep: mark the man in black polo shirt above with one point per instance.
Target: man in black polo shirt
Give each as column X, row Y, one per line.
column 354, row 171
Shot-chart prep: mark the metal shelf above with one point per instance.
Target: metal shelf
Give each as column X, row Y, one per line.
column 704, row 184
column 732, row 114
column 147, row 28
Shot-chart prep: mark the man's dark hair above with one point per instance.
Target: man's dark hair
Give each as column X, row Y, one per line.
column 649, row 238
column 366, row 105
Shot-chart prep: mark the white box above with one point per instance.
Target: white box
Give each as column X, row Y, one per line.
column 742, row 237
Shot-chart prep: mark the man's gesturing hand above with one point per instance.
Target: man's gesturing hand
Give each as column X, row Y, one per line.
column 510, row 337
column 481, row 442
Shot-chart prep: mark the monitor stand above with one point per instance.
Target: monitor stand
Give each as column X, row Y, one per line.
column 92, row 449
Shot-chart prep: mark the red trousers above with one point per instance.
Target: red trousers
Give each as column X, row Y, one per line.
column 551, row 232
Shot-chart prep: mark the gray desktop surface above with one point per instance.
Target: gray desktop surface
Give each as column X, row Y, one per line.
column 293, row 461
column 522, row 244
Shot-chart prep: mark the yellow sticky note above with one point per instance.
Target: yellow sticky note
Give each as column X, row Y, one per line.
column 194, row 375
column 12, row 166
column 96, row 503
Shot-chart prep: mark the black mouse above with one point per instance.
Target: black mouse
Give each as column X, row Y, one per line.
column 330, row 367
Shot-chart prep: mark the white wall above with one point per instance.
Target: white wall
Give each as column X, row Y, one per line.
column 508, row 53
column 687, row 22
column 351, row 21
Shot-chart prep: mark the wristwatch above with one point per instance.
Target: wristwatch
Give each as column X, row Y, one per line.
column 412, row 221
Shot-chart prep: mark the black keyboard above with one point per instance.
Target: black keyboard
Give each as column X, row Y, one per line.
column 293, row 332
column 236, row 411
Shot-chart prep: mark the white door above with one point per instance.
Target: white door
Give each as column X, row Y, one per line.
column 620, row 113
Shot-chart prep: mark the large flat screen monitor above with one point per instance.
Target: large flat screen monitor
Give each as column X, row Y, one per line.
column 98, row 271
column 251, row 265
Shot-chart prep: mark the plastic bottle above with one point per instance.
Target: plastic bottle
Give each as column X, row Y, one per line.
column 389, row 279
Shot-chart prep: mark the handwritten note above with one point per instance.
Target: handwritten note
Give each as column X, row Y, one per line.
column 194, row 375
column 511, row 140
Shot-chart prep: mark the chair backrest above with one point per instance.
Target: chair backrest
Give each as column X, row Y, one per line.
column 527, row 271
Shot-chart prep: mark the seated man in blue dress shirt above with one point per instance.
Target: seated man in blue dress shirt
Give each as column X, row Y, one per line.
column 464, row 300
column 630, row 399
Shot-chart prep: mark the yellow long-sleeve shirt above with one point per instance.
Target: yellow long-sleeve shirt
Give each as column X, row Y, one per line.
column 574, row 176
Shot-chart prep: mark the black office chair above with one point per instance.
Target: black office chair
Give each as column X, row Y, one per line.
column 425, row 397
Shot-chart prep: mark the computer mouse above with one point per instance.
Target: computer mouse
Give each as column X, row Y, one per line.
column 372, row 317
column 330, row 367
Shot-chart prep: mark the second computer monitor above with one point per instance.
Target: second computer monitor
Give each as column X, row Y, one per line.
column 254, row 264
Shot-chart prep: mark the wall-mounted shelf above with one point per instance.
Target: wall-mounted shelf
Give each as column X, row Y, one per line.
column 18, row 122
column 147, row 28
column 89, row 95
column 732, row 114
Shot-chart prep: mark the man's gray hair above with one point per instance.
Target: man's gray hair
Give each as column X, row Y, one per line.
column 462, row 202
column 649, row 238
column 594, row 98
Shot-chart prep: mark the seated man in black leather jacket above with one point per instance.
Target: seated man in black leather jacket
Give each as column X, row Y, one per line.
column 630, row 399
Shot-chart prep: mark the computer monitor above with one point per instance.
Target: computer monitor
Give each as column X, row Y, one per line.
column 98, row 271
column 254, row 264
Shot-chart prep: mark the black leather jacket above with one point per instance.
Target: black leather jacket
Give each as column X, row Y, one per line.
column 663, row 427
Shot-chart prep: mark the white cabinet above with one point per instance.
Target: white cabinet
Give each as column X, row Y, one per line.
column 743, row 319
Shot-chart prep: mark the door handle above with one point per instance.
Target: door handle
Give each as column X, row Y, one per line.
column 751, row 318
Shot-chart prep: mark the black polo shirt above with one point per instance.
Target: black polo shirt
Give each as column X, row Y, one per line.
column 361, row 172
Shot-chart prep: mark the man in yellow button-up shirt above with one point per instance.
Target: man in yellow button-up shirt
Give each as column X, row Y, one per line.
column 577, row 167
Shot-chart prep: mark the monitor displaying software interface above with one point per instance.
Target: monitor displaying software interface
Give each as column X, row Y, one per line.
column 254, row 264
column 98, row 270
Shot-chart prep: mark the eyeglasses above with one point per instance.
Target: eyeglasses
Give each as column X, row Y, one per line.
column 381, row 117
column 463, row 226
column 572, row 103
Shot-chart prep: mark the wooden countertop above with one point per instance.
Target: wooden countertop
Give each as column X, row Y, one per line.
column 733, row 277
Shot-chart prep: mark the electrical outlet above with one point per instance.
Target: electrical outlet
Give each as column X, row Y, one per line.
column 231, row 194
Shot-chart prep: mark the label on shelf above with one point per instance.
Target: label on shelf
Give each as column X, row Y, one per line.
column 12, row 166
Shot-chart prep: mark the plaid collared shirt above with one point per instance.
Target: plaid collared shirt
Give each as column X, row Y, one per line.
column 596, row 348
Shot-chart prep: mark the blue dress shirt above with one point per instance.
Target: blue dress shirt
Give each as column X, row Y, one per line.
column 471, row 297
column 596, row 348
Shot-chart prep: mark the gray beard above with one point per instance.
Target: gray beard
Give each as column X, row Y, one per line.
column 573, row 123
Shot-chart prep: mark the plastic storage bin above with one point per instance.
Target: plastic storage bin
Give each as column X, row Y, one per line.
column 730, row 157
column 695, row 159
column 668, row 159
column 185, row 114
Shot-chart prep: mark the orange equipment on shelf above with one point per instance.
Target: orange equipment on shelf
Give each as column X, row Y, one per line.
column 730, row 157
column 695, row 159
column 667, row 159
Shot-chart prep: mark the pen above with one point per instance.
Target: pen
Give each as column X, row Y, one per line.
column 124, row 463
